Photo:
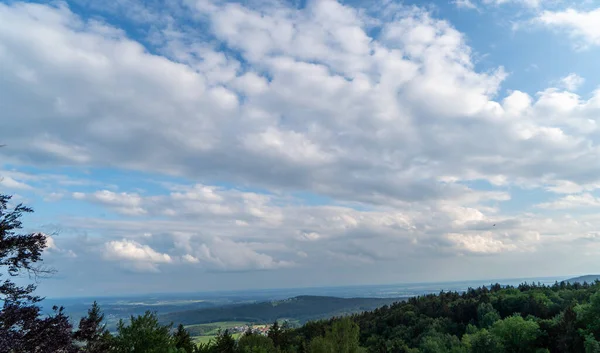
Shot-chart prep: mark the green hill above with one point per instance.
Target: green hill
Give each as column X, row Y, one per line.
column 586, row 278
column 302, row 309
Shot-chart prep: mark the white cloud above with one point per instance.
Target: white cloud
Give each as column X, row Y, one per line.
column 466, row 4
column 227, row 255
column 125, row 203
column 135, row 255
column 572, row 82
column 480, row 243
column 580, row 25
column 527, row 3
column 189, row 258
column 324, row 117
column 388, row 119
column 11, row 183
column 53, row 249
column 50, row 244
column 572, row 201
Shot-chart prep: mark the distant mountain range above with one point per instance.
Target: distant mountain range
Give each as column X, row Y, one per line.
column 300, row 309
column 586, row 278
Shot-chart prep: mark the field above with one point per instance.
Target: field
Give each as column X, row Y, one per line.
column 203, row 333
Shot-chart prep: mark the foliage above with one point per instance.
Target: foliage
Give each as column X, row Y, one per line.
column 517, row 334
column 143, row 335
column 182, row 340
column 22, row 327
column 224, row 343
column 253, row 343
column 92, row 332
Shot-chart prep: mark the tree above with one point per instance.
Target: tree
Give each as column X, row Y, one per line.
column 224, row 343
column 92, row 332
column 275, row 334
column 517, row 334
column 568, row 337
column 143, row 335
column 483, row 341
column 182, row 340
column 344, row 336
column 22, row 328
column 320, row 344
column 591, row 345
column 487, row 315
column 441, row 343
column 252, row 343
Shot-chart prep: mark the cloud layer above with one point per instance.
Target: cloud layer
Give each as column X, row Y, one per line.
column 299, row 137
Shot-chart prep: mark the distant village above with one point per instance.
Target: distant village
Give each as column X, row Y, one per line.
column 258, row 329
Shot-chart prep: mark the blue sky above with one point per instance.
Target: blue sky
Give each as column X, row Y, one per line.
column 195, row 145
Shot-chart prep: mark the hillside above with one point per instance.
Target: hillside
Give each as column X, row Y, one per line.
column 586, row 278
column 562, row 318
column 302, row 309
column 529, row 318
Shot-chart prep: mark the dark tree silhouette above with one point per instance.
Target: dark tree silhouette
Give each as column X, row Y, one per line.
column 183, row 340
column 22, row 327
column 92, row 332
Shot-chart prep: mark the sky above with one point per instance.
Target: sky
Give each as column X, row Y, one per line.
column 197, row 145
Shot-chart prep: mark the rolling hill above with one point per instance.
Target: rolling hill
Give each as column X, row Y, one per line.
column 302, row 309
column 586, row 278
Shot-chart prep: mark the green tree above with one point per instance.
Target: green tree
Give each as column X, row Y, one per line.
column 568, row 338
column 224, row 343
column 92, row 332
column 252, row 343
column 591, row 345
column 487, row 315
column 483, row 341
column 182, row 339
column 517, row 334
column 144, row 334
column 275, row 334
column 344, row 336
column 320, row 344
column 441, row 343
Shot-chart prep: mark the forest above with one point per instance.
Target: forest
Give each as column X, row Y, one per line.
column 301, row 308
column 564, row 317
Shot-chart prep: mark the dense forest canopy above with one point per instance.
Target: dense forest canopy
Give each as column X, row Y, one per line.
column 563, row 317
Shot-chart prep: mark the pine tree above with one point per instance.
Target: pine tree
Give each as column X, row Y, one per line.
column 275, row 334
column 224, row 343
column 182, row 339
column 92, row 331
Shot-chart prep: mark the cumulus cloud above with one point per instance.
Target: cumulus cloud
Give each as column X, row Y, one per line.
column 414, row 149
column 466, row 4
column 50, row 244
column 135, row 255
column 572, row 81
column 13, row 184
column 484, row 243
column 299, row 232
column 581, row 26
column 53, row 249
column 572, row 201
column 125, row 203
